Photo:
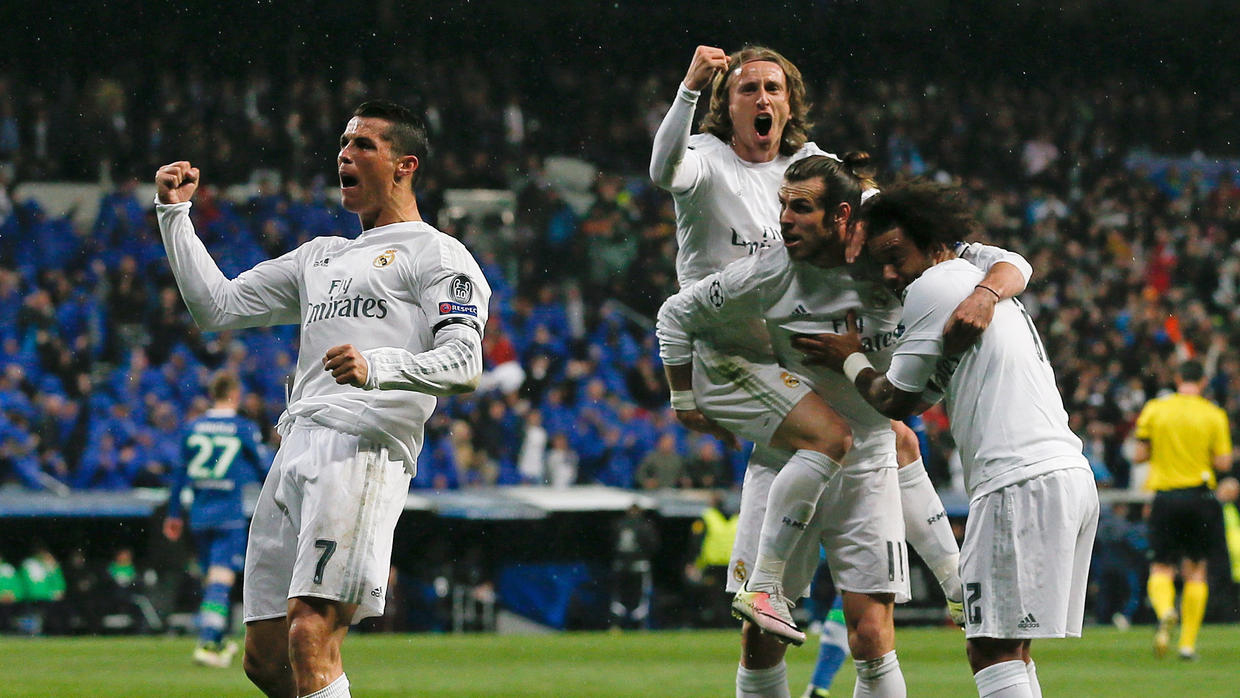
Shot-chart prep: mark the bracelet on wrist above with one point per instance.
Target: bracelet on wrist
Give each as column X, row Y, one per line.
column 997, row 296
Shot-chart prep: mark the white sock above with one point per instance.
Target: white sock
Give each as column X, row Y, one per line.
column 762, row 683
column 927, row 529
column 336, row 689
column 879, row 678
column 789, row 507
column 1003, row 680
column 1035, row 688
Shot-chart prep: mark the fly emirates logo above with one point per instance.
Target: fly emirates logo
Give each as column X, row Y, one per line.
column 341, row 304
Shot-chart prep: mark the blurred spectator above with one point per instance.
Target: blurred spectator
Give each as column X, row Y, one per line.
column 44, row 587
column 635, row 542
column 663, row 467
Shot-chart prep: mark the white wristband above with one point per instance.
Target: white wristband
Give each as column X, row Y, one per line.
column 854, row 364
column 683, row 400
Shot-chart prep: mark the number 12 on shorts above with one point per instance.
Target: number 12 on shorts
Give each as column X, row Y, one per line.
column 973, row 602
column 328, row 547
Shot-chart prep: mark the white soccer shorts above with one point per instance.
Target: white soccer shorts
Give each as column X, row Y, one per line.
column 1025, row 558
column 858, row 521
column 747, row 398
column 324, row 523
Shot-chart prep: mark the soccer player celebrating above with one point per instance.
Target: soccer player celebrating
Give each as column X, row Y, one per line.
column 388, row 321
column 223, row 453
column 724, row 182
column 1033, row 505
column 806, row 286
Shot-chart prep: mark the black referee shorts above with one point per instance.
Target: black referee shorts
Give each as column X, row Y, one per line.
column 1184, row 524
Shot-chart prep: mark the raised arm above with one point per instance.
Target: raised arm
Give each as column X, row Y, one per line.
column 1007, row 275
column 264, row 295
column 672, row 165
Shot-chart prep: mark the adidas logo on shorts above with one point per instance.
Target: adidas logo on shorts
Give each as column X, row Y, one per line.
column 1027, row 622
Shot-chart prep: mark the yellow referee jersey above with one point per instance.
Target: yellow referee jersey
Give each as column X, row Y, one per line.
column 1185, row 433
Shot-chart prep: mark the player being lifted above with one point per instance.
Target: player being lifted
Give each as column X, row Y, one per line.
column 724, row 183
column 221, row 453
column 388, row 321
column 1033, row 506
column 806, row 286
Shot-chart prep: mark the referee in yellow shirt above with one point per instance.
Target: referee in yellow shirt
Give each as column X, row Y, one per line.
column 1185, row 438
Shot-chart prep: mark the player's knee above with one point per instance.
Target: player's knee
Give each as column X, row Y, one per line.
column 870, row 639
column 908, row 449
column 988, row 651
column 835, row 440
column 266, row 672
column 760, row 650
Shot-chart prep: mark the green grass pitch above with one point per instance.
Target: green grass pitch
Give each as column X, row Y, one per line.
column 1105, row 663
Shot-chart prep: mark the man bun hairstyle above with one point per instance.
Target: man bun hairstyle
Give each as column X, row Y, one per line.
column 930, row 214
column 845, row 180
column 407, row 132
column 718, row 122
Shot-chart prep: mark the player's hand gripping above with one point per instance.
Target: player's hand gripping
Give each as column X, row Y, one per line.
column 969, row 321
column 347, row 365
column 707, row 60
column 176, row 183
column 830, row 350
column 694, row 420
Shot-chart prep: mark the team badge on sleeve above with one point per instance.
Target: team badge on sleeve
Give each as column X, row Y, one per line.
column 715, row 293
column 462, row 289
column 385, row 259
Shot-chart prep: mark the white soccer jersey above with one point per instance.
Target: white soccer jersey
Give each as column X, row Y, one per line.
column 1006, row 414
column 795, row 298
column 410, row 298
column 726, row 208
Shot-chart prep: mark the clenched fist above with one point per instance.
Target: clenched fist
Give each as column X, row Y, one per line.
column 347, row 365
column 176, row 183
column 707, row 60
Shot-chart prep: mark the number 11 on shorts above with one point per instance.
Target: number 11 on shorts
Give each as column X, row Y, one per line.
column 329, row 547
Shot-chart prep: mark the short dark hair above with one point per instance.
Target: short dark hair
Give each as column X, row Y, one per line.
column 407, row 133
column 845, row 180
column 222, row 385
column 1190, row 371
column 930, row 214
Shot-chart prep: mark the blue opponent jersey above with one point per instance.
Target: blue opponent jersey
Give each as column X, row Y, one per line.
column 222, row 453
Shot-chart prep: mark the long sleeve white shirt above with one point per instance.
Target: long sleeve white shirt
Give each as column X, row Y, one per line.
column 410, row 298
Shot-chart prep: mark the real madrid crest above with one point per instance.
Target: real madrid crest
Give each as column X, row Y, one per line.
column 789, row 380
column 385, row 259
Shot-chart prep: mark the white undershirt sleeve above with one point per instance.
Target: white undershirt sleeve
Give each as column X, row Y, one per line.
column 452, row 367
column 265, row 295
column 729, row 296
column 986, row 256
column 672, row 165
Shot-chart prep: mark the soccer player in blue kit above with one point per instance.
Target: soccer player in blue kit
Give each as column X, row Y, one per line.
column 222, row 452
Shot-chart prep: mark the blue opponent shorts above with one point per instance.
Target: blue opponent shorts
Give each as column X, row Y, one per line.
column 221, row 547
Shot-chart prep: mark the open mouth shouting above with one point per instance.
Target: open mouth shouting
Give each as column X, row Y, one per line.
column 347, row 181
column 762, row 123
